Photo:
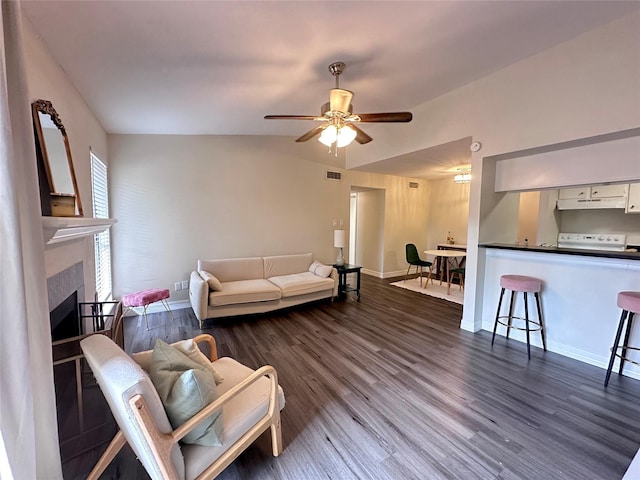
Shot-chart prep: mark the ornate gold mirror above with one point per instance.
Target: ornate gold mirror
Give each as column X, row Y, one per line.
column 54, row 153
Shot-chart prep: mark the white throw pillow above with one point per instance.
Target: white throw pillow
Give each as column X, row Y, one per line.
column 214, row 283
column 320, row 269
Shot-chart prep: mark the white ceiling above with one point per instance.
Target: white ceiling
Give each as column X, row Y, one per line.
column 217, row 67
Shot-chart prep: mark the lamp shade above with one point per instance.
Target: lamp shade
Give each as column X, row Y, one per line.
column 338, row 238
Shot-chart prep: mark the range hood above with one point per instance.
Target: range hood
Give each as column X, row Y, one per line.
column 592, row 203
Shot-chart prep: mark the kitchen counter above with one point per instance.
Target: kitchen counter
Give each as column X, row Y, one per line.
column 565, row 251
column 579, row 293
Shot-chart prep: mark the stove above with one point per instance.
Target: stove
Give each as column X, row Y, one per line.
column 613, row 242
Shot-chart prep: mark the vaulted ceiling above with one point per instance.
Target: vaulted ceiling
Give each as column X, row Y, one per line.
column 217, row 67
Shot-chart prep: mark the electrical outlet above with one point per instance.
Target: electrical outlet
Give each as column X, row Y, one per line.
column 177, row 286
column 185, row 284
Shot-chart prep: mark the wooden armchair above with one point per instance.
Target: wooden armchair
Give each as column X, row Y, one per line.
column 250, row 400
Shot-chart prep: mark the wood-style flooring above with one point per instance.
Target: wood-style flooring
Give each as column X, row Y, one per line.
column 391, row 388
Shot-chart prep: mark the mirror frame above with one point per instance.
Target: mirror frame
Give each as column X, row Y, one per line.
column 45, row 107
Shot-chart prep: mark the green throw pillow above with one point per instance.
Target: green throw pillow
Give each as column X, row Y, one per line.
column 185, row 387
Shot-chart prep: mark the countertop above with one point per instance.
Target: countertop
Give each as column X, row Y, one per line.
column 564, row 251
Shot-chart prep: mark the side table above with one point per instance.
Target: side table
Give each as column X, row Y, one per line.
column 343, row 287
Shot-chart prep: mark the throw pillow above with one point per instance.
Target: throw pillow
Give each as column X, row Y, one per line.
column 323, row 270
column 190, row 349
column 214, row 283
column 313, row 266
column 186, row 387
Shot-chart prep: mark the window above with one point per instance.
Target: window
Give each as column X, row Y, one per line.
column 103, row 239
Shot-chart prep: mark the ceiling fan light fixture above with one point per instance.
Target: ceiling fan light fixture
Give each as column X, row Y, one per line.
column 346, row 135
column 328, row 136
column 342, row 136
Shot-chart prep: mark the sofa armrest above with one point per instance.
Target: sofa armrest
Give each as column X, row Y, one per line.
column 199, row 296
column 334, row 275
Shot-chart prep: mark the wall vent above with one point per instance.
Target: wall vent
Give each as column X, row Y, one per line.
column 413, row 184
column 329, row 175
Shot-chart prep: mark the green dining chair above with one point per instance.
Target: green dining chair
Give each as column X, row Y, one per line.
column 413, row 259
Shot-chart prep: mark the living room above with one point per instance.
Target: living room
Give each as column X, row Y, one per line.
column 181, row 197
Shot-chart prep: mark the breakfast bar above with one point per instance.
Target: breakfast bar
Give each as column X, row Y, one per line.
column 580, row 288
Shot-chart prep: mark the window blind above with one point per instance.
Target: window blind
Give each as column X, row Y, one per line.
column 102, row 240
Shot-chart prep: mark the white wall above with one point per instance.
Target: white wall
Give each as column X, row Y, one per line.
column 181, row 198
column 585, row 87
column 46, row 80
column 448, row 212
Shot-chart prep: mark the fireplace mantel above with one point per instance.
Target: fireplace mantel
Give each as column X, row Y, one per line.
column 63, row 229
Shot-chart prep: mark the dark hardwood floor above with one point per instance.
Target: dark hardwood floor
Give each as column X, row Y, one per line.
column 391, row 388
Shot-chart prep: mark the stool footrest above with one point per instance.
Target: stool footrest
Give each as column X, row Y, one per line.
column 531, row 329
column 625, row 358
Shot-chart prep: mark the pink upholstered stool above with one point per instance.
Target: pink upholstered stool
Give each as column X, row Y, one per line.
column 629, row 302
column 526, row 285
column 145, row 298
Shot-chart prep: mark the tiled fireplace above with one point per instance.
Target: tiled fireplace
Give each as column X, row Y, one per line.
column 65, row 289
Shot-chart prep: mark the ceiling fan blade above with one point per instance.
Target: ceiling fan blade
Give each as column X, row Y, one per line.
column 361, row 137
column 291, row 117
column 389, row 117
column 311, row 133
column 340, row 100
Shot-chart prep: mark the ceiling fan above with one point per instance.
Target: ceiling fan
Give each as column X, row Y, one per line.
column 338, row 120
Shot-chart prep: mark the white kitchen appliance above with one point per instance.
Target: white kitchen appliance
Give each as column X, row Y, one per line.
column 612, row 242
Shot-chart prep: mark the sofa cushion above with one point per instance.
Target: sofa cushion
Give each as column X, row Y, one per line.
column 301, row 283
column 245, row 291
column 186, row 387
column 234, row 269
column 286, row 264
column 212, row 281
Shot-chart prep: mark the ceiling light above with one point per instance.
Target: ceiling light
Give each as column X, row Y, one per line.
column 464, row 176
column 341, row 136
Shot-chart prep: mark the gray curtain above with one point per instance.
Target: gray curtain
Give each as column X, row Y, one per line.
column 28, row 426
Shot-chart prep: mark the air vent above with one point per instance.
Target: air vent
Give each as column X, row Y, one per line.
column 333, row 175
column 413, row 184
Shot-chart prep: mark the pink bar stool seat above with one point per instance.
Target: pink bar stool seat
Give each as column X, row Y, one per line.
column 521, row 283
column 629, row 302
column 526, row 285
column 144, row 298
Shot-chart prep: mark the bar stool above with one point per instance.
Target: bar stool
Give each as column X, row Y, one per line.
column 524, row 284
column 629, row 302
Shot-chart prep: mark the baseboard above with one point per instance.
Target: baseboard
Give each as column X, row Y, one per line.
column 157, row 307
column 372, row 273
column 375, row 273
column 630, row 370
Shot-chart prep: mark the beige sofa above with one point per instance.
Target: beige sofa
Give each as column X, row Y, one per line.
column 258, row 284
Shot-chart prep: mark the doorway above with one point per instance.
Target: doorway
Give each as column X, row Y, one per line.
column 366, row 228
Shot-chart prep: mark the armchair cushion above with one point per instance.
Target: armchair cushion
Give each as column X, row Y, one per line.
column 185, row 387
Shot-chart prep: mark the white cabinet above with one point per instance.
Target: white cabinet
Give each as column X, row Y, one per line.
column 633, row 203
column 608, row 191
column 573, row 193
column 594, row 196
column 594, row 191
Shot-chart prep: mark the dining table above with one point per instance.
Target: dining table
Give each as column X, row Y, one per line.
column 449, row 257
